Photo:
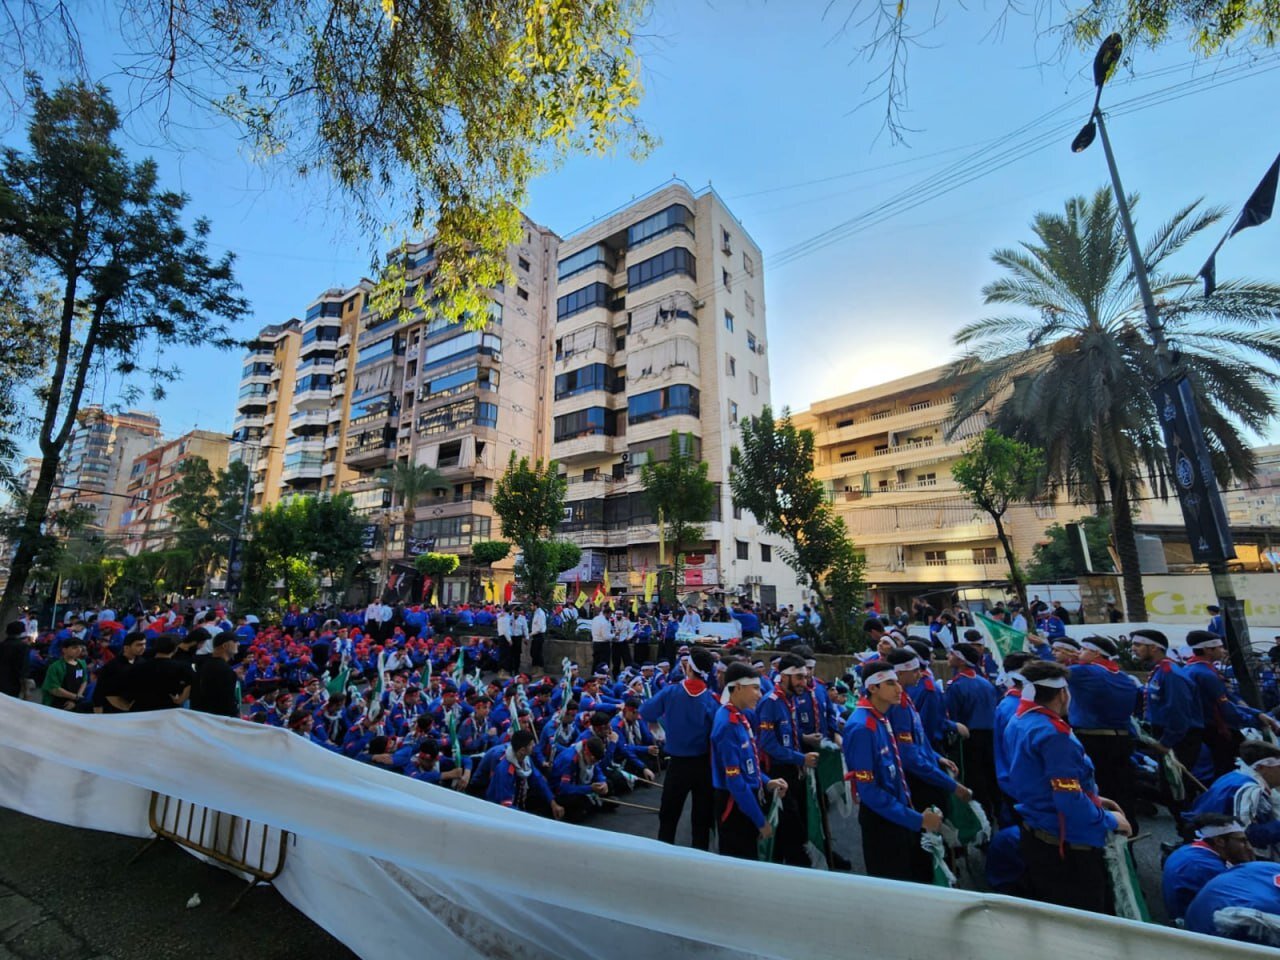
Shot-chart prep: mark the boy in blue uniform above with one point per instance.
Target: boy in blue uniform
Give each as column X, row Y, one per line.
column 784, row 756
column 1224, row 718
column 1103, row 701
column 1246, row 793
column 687, row 710
column 516, row 782
column 971, row 702
column 577, row 780
column 1220, row 843
column 740, row 787
column 930, row 778
column 1172, row 707
column 1065, row 824
column 890, row 827
column 1242, row 903
column 1006, row 709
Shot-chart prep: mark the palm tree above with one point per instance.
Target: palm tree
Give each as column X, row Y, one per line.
column 410, row 481
column 1072, row 375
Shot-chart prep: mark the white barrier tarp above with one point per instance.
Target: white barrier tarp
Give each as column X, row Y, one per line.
column 385, row 863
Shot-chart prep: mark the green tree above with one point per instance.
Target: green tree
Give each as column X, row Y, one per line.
column 529, row 499
column 996, row 472
column 484, row 554
column 1053, row 560
column 772, row 477
column 306, row 539
column 416, row 109
column 409, row 482
column 132, row 277
column 678, row 490
column 1071, row 372
column 437, row 566
column 28, row 308
column 207, row 509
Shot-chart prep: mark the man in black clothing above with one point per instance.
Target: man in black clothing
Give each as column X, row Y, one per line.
column 217, row 688
column 161, row 683
column 15, row 658
column 110, row 693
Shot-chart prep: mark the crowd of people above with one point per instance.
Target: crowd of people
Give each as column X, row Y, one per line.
column 1056, row 746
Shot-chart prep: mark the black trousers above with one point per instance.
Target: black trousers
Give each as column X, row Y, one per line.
column 979, row 754
column 535, row 649
column 1224, row 746
column 577, row 806
column 1113, row 771
column 788, row 846
column 926, row 795
column 599, row 655
column 1187, row 751
column 687, row 776
column 621, row 656
column 642, row 654
column 738, row 836
column 892, row 852
column 515, row 654
column 1068, row 875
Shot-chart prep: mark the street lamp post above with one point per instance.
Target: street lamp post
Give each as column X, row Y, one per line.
column 1198, row 493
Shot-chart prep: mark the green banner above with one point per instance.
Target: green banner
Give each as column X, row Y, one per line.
column 1006, row 639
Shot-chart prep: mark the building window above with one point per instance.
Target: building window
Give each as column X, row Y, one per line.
column 755, row 384
column 669, row 263
column 620, row 342
column 726, row 279
column 522, row 293
column 985, row 555
column 750, row 303
column 751, row 341
column 935, row 558
column 748, row 265
column 725, row 241
column 523, row 264
column 728, row 321
column 675, row 217
column 766, row 553
column 676, row 400
column 593, row 421
column 730, row 365
column 592, row 295
column 598, row 255
column 744, row 549
column 458, row 416
column 595, row 376
column 733, row 412
column 927, row 479
column 737, row 512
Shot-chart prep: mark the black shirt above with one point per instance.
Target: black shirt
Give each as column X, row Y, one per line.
column 215, row 689
column 15, row 657
column 152, row 683
column 113, row 681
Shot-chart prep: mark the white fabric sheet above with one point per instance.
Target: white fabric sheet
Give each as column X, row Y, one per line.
column 387, row 864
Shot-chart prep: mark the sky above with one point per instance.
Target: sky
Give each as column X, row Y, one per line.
column 762, row 100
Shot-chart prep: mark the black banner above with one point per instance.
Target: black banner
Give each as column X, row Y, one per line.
column 416, row 546
column 1202, row 511
column 369, row 538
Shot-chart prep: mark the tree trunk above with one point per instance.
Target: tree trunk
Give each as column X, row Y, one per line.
column 1135, row 599
column 1015, row 574
column 28, row 539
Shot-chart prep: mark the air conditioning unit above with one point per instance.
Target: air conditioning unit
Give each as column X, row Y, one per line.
column 753, row 581
column 626, row 457
column 568, row 514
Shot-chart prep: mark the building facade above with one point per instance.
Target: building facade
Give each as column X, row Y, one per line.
column 146, row 524
column 96, row 464
column 660, row 327
column 261, row 426
column 884, row 456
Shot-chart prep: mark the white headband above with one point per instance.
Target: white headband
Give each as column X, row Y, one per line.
column 1226, row 829
column 1015, row 675
column 912, row 664
column 811, row 664
column 1064, row 645
column 1214, row 642
column 793, row 671
column 878, row 678
column 744, row 682
column 1051, row 683
column 1086, row 645
column 1149, row 642
column 1267, row 762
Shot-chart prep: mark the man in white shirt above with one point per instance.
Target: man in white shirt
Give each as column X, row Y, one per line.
column 373, row 619
column 503, row 626
column 601, row 640
column 537, row 634
column 1019, row 618
column 519, row 630
column 621, row 651
column 691, row 622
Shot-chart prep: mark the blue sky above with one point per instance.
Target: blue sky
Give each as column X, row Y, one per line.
column 760, row 99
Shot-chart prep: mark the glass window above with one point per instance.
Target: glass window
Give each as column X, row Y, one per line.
column 458, row 416
column 751, row 341
column 593, row 421
column 378, row 351
column 324, row 310
column 744, row 549
column 728, row 321
column 455, row 347
column 592, row 295
column 733, row 412
column 669, row 263
column 766, row 553
column 675, row 217
column 595, row 376
column 597, row 255
column 680, row 399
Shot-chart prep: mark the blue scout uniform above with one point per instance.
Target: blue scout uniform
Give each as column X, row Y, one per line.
column 509, row 789
column 687, row 710
column 738, row 782
column 1253, row 886
column 932, row 708
column 1173, row 707
column 1221, row 798
column 1005, row 711
column 1186, row 872
column 1103, row 702
column 1223, row 717
column 919, row 759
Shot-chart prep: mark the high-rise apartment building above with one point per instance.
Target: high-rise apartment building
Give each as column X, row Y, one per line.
column 98, row 457
column 259, row 431
column 885, row 458
column 660, row 327
column 146, row 523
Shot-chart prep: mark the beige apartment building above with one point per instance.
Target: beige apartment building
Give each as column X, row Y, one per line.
column 146, row 524
column 261, row 425
column 660, row 327
column 99, row 455
column 884, row 456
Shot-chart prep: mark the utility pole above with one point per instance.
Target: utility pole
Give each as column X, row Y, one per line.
column 1203, row 512
column 384, row 569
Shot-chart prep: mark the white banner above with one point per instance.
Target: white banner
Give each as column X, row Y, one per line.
column 385, row 863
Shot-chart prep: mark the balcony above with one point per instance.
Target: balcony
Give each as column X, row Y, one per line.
column 304, row 445
column 247, row 421
column 588, row 447
column 905, row 492
column 329, row 468
column 302, row 470
column 943, row 521
column 959, row 571
column 371, row 455
column 332, row 440
column 315, row 397
column 268, row 419
column 892, row 421
column 344, row 341
column 895, row 457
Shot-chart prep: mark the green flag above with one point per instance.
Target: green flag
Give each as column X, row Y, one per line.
column 764, row 848
column 338, row 683
column 813, row 815
column 1006, row 639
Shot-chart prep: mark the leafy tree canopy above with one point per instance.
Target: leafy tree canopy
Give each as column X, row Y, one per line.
column 679, row 488
column 1053, row 560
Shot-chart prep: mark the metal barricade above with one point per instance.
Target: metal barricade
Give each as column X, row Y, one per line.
column 252, row 849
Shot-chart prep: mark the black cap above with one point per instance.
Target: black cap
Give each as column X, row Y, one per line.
column 226, row 636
